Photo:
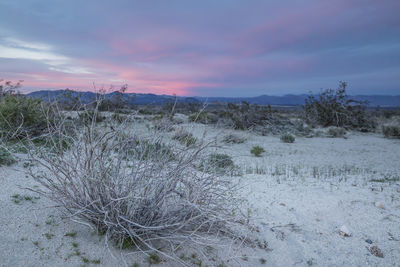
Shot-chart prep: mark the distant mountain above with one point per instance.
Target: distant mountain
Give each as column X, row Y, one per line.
column 143, row 99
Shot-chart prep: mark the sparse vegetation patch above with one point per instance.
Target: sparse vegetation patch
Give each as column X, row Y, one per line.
column 5, row 157
column 257, row 151
column 391, row 131
column 287, row 138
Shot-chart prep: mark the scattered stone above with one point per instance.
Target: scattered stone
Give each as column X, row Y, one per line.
column 282, row 204
column 377, row 252
column 369, row 241
column 379, row 205
column 344, row 231
column 398, row 188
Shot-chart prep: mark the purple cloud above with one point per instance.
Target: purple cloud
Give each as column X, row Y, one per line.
column 215, row 48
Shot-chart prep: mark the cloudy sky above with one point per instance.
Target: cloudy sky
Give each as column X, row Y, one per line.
column 207, row 47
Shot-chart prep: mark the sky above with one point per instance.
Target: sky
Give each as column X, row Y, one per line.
column 202, row 48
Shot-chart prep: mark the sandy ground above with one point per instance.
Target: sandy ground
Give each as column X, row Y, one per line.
column 300, row 195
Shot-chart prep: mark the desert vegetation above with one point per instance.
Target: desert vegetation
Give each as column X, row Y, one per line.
column 257, row 151
column 154, row 181
column 138, row 191
column 287, row 138
column 391, row 131
column 336, row 108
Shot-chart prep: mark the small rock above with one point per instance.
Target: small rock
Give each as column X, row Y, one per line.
column 282, row 204
column 377, row 252
column 344, row 231
column 379, row 205
column 398, row 188
column 369, row 241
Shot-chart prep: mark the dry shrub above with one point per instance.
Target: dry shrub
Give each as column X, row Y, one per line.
column 233, row 139
column 336, row 131
column 391, row 131
column 336, row 108
column 184, row 137
column 163, row 124
column 156, row 203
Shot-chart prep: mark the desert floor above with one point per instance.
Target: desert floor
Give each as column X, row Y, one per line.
column 300, row 196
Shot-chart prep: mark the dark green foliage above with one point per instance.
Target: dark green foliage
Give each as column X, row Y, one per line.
column 21, row 117
column 257, row 151
column 287, row 138
column 335, row 108
column 5, row 157
column 391, row 131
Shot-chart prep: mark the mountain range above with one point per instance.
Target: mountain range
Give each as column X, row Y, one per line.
column 145, row 99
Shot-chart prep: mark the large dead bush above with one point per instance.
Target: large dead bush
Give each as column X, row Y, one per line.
column 336, row 108
column 138, row 189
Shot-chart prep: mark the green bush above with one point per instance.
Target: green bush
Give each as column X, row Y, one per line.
column 5, row 157
column 336, row 131
column 257, row 151
column 391, row 131
column 21, row 116
column 184, row 137
column 216, row 162
column 287, row 138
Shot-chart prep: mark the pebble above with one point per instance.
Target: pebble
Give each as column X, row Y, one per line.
column 379, row 205
column 344, row 231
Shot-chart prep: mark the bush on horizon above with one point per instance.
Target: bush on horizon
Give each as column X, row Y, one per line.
column 336, row 108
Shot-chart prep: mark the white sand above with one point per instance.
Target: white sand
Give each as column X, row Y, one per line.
column 300, row 195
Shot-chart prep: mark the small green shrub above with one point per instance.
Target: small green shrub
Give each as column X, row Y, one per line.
column 287, row 138
column 391, row 131
column 233, row 139
column 257, row 151
column 336, row 131
column 5, row 157
column 184, row 137
column 217, row 162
